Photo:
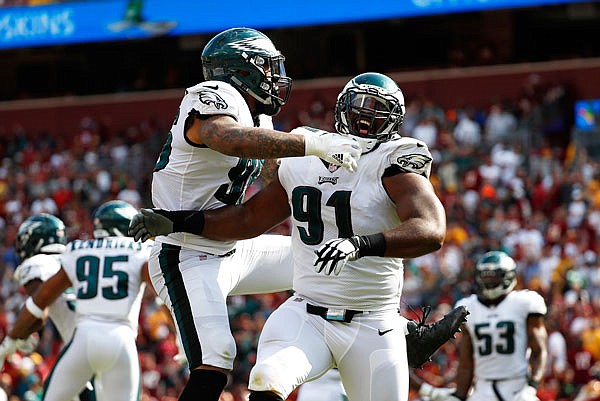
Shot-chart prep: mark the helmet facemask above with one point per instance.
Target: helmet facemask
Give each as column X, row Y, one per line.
column 265, row 81
column 369, row 113
column 495, row 275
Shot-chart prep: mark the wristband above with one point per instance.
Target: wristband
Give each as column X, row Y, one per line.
column 371, row 245
column 33, row 308
column 533, row 383
column 188, row 221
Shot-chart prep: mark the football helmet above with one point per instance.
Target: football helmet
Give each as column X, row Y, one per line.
column 495, row 275
column 370, row 108
column 112, row 219
column 41, row 233
column 248, row 60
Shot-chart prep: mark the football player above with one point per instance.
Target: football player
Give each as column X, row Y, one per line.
column 214, row 151
column 108, row 275
column 503, row 345
column 40, row 241
column 369, row 220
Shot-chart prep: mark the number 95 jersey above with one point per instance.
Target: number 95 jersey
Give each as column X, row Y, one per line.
column 106, row 274
column 499, row 333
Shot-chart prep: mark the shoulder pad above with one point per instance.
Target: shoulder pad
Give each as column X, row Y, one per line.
column 410, row 156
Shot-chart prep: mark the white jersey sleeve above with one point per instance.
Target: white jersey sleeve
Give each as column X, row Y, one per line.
column 410, row 156
column 40, row 267
column 535, row 302
column 62, row 310
column 213, row 98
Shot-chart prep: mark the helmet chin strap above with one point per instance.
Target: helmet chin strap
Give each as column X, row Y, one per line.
column 498, row 291
column 263, row 106
column 366, row 144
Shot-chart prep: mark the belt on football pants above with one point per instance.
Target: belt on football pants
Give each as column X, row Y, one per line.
column 221, row 256
column 335, row 315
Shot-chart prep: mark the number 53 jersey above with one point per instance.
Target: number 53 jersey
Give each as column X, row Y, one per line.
column 499, row 333
column 106, row 274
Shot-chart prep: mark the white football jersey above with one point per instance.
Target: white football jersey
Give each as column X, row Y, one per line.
column 106, row 277
column 190, row 177
column 330, row 202
column 62, row 310
column 499, row 333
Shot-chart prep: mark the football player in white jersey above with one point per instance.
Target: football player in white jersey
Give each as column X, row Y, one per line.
column 503, row 345
column 383, row 212
column 40, row 241
column 108, row 276
column 214, row 151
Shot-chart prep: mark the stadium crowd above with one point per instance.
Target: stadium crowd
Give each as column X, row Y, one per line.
column 508, row 175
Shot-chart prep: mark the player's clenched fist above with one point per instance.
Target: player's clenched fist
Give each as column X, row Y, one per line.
column 337, row 149
column 147, row 223
column 7, row 348
column 333, row 255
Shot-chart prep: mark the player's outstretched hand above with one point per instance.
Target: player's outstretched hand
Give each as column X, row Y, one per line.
column 147, row 223
column 29, row 344
column 337, row 149
column 333, row 255
column 7, row 348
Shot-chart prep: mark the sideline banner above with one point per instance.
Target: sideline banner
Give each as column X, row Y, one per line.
column 111, row 20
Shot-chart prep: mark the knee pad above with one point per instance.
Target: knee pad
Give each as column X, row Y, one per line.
column 280, row 373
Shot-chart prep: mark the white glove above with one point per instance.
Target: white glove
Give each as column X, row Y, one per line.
column 7, row 348
column 528, row 393
column 436, row 393
column 333, row 255
column 28, row 345
column 334, row 148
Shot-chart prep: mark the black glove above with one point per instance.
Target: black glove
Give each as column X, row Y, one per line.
column 333, row 255
column 147, row 223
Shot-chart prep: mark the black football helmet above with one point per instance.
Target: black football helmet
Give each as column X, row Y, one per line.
column 370, row 108
column 248, row 60
column 495, row 275
column 112, row 219
column 42, row 233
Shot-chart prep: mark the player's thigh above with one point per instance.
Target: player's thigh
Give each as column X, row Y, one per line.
column 261, row 265
column 188, row 283
column 327, row 387
column 121, row 382
column 291, row 349
column 71, row 371
column 371, row 357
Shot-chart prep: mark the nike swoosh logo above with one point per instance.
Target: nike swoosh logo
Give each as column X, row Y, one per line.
column 382, row 332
